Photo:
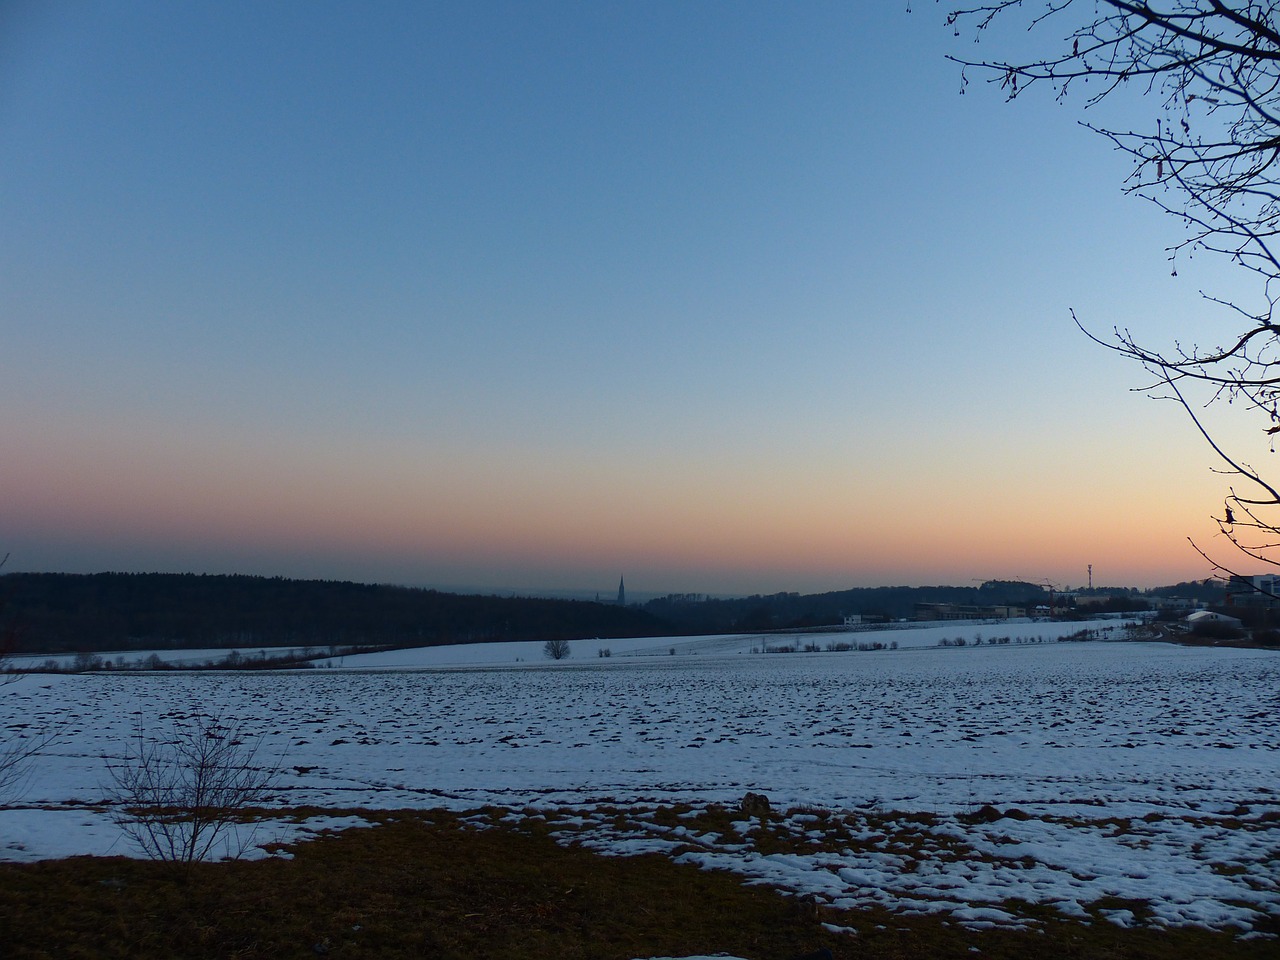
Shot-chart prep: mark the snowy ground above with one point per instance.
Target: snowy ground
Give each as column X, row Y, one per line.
column 1129, row 774
column 910, row 634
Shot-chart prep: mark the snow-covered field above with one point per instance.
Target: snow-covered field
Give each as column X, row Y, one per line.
column 1129, row 773
column 910, row 634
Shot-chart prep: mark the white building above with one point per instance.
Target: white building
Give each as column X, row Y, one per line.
column 1208, row 616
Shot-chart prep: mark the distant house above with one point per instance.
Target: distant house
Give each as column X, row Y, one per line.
column 1208, row 616
column 1096, row 600
column 966, row 611
column 1257, row 591
column 1008, row 613
column 853, row 620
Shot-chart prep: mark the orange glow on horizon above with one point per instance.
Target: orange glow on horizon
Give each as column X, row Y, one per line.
column 775, row 526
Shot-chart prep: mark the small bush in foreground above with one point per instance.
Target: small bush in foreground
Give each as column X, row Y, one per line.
column 183, row 796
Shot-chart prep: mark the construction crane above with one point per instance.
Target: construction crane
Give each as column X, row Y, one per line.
column 1051, row 587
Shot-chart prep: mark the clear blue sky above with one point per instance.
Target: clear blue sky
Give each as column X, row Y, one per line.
column 727, row 297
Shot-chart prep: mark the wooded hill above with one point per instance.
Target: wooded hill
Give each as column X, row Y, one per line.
column 54, row 612
column 794, row 610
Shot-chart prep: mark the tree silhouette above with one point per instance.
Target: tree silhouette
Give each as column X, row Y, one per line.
column 1210, row 71
column 556, row 649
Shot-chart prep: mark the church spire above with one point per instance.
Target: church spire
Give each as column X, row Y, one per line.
column 622, row 593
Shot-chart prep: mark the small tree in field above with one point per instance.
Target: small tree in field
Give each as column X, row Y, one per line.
column 183, row 796
column 556, row 649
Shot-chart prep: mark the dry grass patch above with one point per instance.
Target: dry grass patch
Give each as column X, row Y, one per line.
column 436, row 885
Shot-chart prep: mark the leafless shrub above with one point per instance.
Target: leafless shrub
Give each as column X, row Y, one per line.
column 556, row 649
column 17, row 751
column 186, row 795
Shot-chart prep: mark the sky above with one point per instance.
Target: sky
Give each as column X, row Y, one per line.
column 723, row 297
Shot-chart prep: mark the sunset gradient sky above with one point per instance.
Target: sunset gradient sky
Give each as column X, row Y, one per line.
column 727, row 297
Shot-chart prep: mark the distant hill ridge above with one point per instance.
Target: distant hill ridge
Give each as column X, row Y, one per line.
column 61, row 612
column 58, row 612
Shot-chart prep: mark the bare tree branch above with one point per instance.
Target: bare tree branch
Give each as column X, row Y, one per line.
column 1207, row 73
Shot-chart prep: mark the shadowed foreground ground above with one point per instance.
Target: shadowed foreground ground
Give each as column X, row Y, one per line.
column 430, row 885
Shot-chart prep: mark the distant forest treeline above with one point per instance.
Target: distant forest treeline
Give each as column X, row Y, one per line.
column 794, row 610
column 52, row 612
column 696, row 614
column 57, row 613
